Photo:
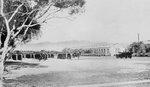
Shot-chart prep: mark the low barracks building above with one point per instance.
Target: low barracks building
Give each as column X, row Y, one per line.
column 84, row 51
column 110, row 50
column 97, row 51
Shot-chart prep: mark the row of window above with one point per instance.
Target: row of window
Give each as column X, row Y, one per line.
column 98, row 50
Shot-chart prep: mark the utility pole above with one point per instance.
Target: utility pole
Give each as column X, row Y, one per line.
column 138, row 37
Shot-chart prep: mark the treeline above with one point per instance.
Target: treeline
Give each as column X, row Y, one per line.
column 139, row 49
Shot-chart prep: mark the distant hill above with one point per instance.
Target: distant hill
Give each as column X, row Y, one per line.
column 61, row 45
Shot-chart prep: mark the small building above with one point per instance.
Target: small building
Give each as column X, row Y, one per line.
column 97, row 51
column 100, row 50
column 116, row 48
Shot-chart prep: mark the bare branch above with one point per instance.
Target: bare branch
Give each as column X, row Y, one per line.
column 15, row 12
column 45, row 19
column 1, row 10
column 28, row 27
column 67, row 17
column 41, row 15
column 5, row 19
column 2, row 7
column 23, row 25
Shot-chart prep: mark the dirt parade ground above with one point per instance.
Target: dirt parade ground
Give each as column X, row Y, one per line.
column 85, row 72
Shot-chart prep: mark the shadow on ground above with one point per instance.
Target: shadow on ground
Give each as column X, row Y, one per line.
column 13, row 65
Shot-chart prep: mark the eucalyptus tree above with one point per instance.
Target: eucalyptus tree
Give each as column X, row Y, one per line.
column 21, row 21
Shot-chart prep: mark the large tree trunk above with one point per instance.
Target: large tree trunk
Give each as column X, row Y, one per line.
column 2, row 67
column 3, row 58
column 5, row 50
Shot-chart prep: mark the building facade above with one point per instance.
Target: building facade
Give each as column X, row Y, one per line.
column 96, row 51
column 109, row 50
column 116, row 48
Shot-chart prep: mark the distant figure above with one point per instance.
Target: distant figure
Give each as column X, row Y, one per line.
column 76, row 54
column 69, row 56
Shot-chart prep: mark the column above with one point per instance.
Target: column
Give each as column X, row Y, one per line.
column 16, row 56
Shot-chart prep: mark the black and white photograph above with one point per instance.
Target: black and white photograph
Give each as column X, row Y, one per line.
column 74, row 43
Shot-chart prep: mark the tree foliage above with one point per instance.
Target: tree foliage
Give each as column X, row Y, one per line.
column 138, row 47
column 25, row 17
column 21, row 21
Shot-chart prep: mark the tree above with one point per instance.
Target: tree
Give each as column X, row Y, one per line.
column 21, row 21
column 137, row 47
column 147, row 47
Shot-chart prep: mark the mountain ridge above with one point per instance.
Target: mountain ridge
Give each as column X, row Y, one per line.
column 61, row 45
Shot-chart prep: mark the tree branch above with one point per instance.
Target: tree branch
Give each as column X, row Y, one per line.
column 5, row 19
column 45, row 19
column 23, row 25
column 42, row 14
column 15, row 12
column 2, row 7
column 28, row 27
column 67, row 17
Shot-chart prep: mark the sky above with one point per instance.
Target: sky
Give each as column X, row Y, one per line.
column 116, row 21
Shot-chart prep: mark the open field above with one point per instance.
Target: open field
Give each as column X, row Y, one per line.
column 85, row 72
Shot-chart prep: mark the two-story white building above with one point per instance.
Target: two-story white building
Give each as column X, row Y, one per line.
column 116, row 48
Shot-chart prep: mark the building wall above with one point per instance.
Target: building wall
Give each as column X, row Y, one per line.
column 99, row 51
column 115, row 49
